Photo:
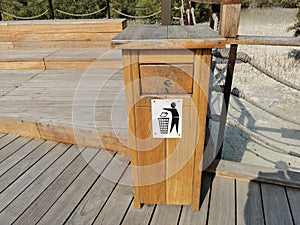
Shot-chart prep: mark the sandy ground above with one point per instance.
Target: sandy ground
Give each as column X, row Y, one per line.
column 238, row 145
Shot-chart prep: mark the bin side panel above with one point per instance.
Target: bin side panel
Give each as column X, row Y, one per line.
column 151, row 160
column 203, row 58
column 129, row 66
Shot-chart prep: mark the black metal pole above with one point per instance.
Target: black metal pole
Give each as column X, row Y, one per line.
column 108, row 9
column 227, row 91
column 0, row 16
column 52, row 16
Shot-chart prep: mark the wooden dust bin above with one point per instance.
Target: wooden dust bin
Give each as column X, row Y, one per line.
column 169, row 64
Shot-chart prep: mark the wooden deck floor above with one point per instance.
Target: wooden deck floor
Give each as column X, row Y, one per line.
column 45, row 182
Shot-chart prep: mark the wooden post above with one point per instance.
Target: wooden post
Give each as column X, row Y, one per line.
column 166, row 12
column 108, row 9
column 52, row 16
column 229, row 20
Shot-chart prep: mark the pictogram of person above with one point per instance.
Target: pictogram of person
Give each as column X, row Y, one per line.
column 175, row 116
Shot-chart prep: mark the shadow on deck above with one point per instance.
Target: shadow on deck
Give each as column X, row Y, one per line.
column 45, row 182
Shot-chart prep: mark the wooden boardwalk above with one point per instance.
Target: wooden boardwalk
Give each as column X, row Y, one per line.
column 46, row 182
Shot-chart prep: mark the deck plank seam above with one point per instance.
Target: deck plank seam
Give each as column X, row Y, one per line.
column 262, row 203
column 112, row 191
column 19, row 160
column 9, row 141
column 92, row 185
column 179, row 215
column 13, row 199
column 209, row 197
column 45, row 189
column 87, row 164
column 23, row 172
column 152, row 215
column 16, row 150
column 289, row 204
column 126, row 212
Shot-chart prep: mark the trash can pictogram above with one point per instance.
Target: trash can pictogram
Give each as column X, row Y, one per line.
column 163, row 125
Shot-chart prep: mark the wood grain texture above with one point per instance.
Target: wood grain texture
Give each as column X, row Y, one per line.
column 256, row 173
column 66, row 203
column 222, row 205
column 275, row 204
column 19, row 155
column 7, row 139
column 293, row 195
column 89, row 208
column 166, row 214
column 264, row 40
column 60, row 33
column 138, row 216
column 25, row 166
column 28, row 176
column 249, row 203
column 191, row 217
column 168, row 37
column 229, row 20
column 31, row 193
column 51, row 194
column 117, row 205
column 167, row 79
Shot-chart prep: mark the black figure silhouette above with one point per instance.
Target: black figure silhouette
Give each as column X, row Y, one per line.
column 175, row 116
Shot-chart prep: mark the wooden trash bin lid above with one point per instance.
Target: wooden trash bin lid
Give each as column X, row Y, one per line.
column 168, row 37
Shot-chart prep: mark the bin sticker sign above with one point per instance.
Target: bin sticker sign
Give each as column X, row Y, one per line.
column 166, row 118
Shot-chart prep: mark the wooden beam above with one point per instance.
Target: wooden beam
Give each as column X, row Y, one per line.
column 244, row 171
column 264, row 40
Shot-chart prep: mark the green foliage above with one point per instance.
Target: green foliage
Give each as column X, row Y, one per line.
column 270, row 3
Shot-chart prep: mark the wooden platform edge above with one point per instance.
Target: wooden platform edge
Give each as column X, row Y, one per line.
column 244, row 171
column 86, row 137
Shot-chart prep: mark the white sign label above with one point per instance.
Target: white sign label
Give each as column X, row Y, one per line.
column 166, row 118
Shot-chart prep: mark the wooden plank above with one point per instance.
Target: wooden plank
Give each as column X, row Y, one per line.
column 12, row 147
column 89, row 37
column 7, row 139
column 222, row 203
column 19, row 45
column 2, row 134
column 18, row 186
column 70, row 26
column 138, row 216
column 166, row 214
column 229, row 20
column 19, row 155
column 275, row 204
column 165, row 37
column 180, row 160
column 64, row 206
column 249, row 203
column 83, row 136
column 168, row 57
column 176, row 79
column 118, row 203
column 151, row 153
column 264, row 40
column 188, row 216
column 88, row 209
column 53, row 192
column 28, row 196
column 293, row 195
column 256, row 173
column 22, row 65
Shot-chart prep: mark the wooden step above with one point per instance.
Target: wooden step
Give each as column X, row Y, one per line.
column 64, row 59
column 57, row 34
